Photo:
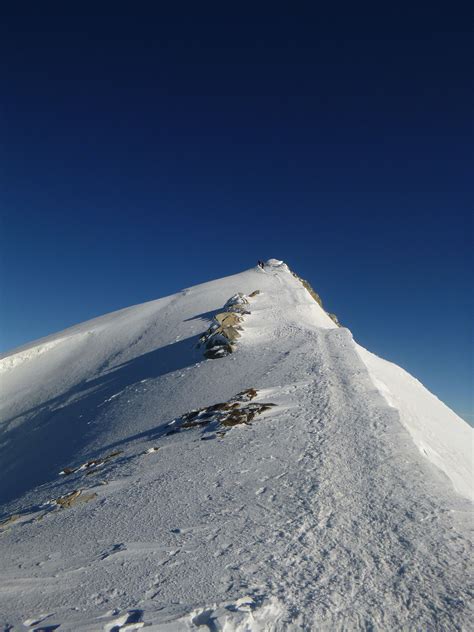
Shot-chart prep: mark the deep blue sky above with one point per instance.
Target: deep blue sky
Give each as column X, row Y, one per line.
column 147, row 151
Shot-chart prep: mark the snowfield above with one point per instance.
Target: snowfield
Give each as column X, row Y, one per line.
column 296, row 483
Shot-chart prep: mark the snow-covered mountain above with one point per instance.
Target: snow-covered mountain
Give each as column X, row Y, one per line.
column 204, row 463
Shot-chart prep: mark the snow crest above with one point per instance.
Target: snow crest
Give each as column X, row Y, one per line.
column 10, row 362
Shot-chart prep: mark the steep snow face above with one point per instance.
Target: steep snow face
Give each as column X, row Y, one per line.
column 441, row 436
column 296, row 496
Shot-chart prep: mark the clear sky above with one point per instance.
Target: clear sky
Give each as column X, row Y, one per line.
column 147, row 151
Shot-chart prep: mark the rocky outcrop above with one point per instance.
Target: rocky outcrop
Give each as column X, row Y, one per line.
column 220, row 338
column 90, row 466
column 240, row 409
column 309, row 288
column 316, row 297
column 228, row 319
column 66, row 501
column 74, row 498
column 4, row 524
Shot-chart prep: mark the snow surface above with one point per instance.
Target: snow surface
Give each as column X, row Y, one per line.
column 343, row 507
column 442, row 436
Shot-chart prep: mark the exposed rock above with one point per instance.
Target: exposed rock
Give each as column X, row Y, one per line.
column 228, row 319
column 236, row 418
column 247, row 395
column 217, row 339
column 218, row 352
column 316, row 297
column 74, row 498
column 221, row 406
column 236, row 411
column 230, row 333
column 94, row 464
column 9, row 521
column 68, row 499
column 308, row 287
column 254, row 293
column 68, row 470
column 225, row 328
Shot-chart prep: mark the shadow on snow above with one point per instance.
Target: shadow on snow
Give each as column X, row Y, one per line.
column 59, row 428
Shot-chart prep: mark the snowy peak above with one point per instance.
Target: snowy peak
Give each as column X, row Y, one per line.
column 217, row 458
column 260, row 306
column 275, row 263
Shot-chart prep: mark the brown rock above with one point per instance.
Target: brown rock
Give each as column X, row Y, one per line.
column 228, row 319
column 231, row 333
column 247, row 395
column 218, row 351
column 10, row 520
column 73, row 498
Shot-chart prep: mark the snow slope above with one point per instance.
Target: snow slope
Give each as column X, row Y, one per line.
column 441, row 436
column 344, row 506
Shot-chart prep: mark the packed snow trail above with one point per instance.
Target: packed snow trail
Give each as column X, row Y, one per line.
column 370, row 528
column 323, row 514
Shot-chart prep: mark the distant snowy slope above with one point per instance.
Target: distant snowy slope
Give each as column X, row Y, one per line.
column 197, row 462
column 442, row 436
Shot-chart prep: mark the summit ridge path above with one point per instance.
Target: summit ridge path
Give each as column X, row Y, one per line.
column 360, row 540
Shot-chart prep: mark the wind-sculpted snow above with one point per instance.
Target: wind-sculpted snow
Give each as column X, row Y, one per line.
column 441, row 436
column 16, row 359
column 280, row 487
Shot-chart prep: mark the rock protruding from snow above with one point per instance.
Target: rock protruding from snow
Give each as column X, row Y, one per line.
column 316, row 297
column 75, row 497
column 91, row 465
column 219, row 340
column 238, row 410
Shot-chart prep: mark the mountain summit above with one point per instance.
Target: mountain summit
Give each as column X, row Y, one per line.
column 228, row 458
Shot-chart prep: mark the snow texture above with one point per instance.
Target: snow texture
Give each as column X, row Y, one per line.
column 345, row 506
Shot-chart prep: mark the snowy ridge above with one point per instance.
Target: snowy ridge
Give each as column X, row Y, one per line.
column 289, row 485
column 14, row 360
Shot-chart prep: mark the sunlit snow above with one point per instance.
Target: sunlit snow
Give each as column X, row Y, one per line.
column 142, row 488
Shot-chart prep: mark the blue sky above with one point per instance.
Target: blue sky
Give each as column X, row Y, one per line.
column 147, row 152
